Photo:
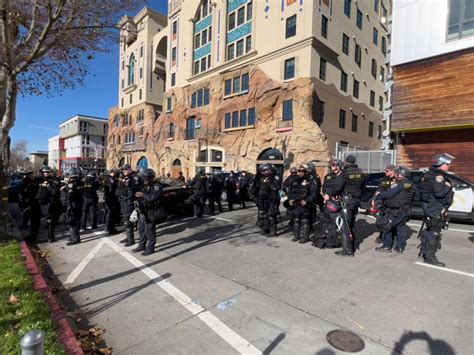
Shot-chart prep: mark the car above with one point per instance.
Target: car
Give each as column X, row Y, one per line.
column 461, row 210
column 176, row 195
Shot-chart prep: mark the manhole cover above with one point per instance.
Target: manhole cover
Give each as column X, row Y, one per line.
column 345, row 341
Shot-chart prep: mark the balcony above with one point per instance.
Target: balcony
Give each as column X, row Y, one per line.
column 160, row 65
column 284, row 126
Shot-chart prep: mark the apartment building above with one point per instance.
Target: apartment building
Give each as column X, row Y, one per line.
column 54, row 153
column 433, row 82
column 38, row 160
column 83, row 143
column 249, row 82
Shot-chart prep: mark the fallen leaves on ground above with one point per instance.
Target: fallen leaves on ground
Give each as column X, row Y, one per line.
column 13, row 299
column 91, row 341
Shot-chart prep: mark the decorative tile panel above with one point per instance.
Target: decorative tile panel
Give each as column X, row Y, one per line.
column 203, row 51
column 235, row 4
column 239, row 32
column 204, row 23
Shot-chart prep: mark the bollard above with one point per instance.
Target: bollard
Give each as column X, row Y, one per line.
column 33, row 343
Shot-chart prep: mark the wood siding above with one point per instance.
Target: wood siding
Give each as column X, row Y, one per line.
column 417, row 149
column 436, row 92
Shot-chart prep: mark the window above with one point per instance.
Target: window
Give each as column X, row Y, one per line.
column 347, row 8
column 359, row 19
column 140, row 94
column 461, row 19
column 324, row 26
column 382, row 74
column 354, row 123
column 375, row 37
column 194, row 100
column 190, row 132
column 175, row 29
column 373, row 69
column 240, row 48
column 345, row 44
column 203, row 64
column 173, row 79
column 204, row 37
column 343, row 81
column 241, row 16
column 232, row 21
column 141, row 73
column 248, row 43
column 235, row 119
column 322, row 69
column 371, row 129
column 251, row 116
column 380, row 103
column 230, row 51
column 376, row 6
column 86, row 139
column 236, row 84
column 243, row 118
column 129, row 138
column 141, row 52
column 289, row 69
column 131, row 70
column 227, row 122
column 355, row 89
column 372, row 98
column 384, row 45
column 197, row 41
column 83, row 126
column 206, row 96
column 196, row 67
column 319, row 112
column 173, row 56
column 199, row 98
column 131, row 98
column 358, row 55
column 141, row 115
column 379, row 132
column 342, row 119
column 245, row 82
column 169, row 104
column 290, row 26
column 249, row 11
column 228, row 87
column 287, row 110
column 209, row 32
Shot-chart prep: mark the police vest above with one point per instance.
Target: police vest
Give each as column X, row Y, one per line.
column 384, row 184
column 329, row 181
column 90, row 189
column 404, row 199
column 43, row 195
column 299, row 189
column 426, row 187
column 354, row 178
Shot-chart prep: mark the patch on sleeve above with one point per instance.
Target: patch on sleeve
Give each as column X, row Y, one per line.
column 156, row 187
column 439, row 178
column 277, row 177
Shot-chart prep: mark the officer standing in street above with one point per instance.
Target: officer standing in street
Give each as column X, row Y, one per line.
column 348, row 189
column 269, row 200
column 437, row 196
column 91, row 200
column 257, row 183
column 112, row 204
column 286, row 188
column 126, row 188
column 198, row 186
column 49, row 198
column 383, row 186
column 30, row 204
column 398, row 199
column 73, row 197
column 215, row 188
column 230, row 185
column 243, row 185
column 301, row 196
column 150, row 210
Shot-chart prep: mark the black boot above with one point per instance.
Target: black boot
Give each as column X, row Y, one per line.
column 130, row 237
column 296, row 230
column 430, row 254
column 273, row 227
column 75, row 238
column 51, row 236
column 305, row 226
column 383, row 249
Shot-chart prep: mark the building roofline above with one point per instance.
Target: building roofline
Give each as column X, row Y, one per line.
column 43, row 152
column 84, row 116
column 146, row 10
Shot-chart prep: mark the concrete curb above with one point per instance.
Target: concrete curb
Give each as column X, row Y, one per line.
column 65, row 333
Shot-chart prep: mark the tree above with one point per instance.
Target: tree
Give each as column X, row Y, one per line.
column 45, row 47
column 18, row 154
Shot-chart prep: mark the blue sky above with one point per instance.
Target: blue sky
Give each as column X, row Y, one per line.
column 38, row 117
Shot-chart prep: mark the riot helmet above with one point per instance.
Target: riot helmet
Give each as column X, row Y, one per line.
column 441, row 159
column 147, row 174
column 73, row 173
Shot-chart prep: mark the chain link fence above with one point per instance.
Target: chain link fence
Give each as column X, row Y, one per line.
column 370, row 161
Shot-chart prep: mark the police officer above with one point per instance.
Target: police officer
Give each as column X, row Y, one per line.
column 30, row 205
column 112, row 204
column 384, row 184
column 257, row 182
column 398, row 199
column 348, row 189
column 317, row 180
column 150, row 208
column 301, row 196
column 126, row 188
column 215, row 188
column 437, row 195
column 285, row 188
column 91, row 199
column 269, row 200
column 73, row 197
column 230, row 185
column 198, row 186
column 243, row 185
column 48, row 196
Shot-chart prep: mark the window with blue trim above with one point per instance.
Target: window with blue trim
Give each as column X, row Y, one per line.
column 243, row 118
column 131, row 70
column 252, row 116
column 245, row 82
column 239, row 28
column 287, row 110
column 228, row 87
column 227, row 123
column 235, row 119
column 200, row 98
column 347, row 8
column 240, row 119
column 237, row 85
column 202, row 38
column 289, row 69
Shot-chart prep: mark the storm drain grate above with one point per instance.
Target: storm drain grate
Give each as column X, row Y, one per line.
column 345, row 341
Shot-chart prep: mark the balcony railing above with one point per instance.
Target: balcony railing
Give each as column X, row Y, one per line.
column 285, row 124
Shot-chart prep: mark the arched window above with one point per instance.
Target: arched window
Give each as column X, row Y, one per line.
column 131, row 70
column 142, row 163
column 177, row 162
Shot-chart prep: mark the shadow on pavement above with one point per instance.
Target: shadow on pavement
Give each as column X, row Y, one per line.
column 435, row 346
column 363, row 230
column 325, row 351
column 273, row 344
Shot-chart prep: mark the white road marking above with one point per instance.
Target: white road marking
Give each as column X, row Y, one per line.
column 223, row 219
column 419, row 225
column 80, row 267
column 446, row 269
column 230, row 336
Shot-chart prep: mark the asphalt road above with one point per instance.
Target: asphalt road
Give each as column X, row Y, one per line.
column 216, row 286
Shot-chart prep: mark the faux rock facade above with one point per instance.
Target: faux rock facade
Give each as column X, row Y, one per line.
column 299, row 141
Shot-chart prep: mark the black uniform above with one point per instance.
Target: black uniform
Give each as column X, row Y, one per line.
column 383, row 186
column 437, row 194
column 230, row 188
column 31, row 207
column 112, row 204
column 126, row 189
column 73, row 198
column 269, row 201
column 151, row 212
column 91, row 200
column 48, row 196
column 199, row 188
column 348, row 188
column 286, row 188
column 303, row 193
column 215, row 188
column 243, row 185
column 257, row 181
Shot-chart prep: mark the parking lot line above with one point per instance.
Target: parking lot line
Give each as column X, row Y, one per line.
column 223, row 219
column 226, row 333
column 446, row 269
column 81, row 266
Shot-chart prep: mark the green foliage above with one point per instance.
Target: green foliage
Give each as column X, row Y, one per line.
column 26, row 310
